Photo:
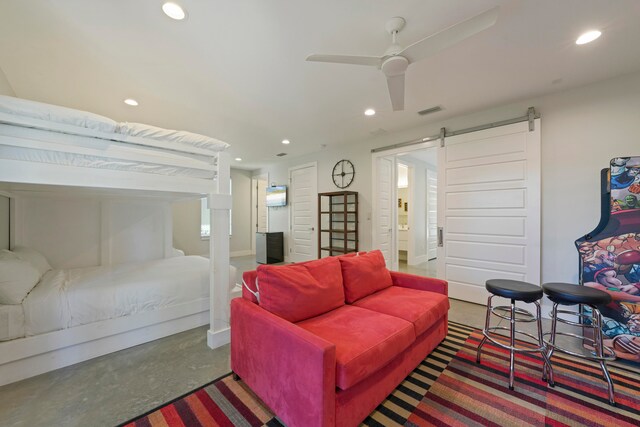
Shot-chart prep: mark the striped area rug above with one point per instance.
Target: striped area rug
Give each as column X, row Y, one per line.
column 447, row 389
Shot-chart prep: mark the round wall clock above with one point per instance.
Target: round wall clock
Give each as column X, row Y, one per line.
column 343, row 173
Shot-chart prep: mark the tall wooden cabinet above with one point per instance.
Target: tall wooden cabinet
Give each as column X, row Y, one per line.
column 337, row 223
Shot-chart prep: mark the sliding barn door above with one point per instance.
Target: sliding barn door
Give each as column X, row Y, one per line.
column 489, row 209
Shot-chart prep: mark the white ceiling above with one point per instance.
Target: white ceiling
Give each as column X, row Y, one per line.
column 236, row 70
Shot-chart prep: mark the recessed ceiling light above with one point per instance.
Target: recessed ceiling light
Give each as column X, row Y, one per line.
column 588, row 37
column 131, row 102
column 238, row 159
column 286, row 142
column 369, row 112
column 174, row 11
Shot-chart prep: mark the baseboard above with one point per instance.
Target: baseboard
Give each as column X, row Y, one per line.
column 244, row 252
column 218, row 338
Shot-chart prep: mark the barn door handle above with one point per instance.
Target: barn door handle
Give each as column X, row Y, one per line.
column 440, row 237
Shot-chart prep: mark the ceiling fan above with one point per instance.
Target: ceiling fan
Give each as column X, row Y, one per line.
column 396, row 59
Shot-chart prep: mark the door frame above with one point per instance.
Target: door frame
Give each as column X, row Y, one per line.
column 314, row 209
column 394, row 152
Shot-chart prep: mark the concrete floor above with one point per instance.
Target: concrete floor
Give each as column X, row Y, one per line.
column 114, row 388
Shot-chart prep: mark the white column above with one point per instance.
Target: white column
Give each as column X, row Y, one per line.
column 220, row 207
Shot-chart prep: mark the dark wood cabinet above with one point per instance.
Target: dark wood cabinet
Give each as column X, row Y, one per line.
column 269, row 248
column 337, row 223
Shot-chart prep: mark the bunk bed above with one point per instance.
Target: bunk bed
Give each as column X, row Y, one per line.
column 45, row 147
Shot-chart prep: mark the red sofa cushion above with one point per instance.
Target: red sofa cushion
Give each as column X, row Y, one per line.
column 421, row 308
column 363, row 275
column 297, row 292
column 365, row 340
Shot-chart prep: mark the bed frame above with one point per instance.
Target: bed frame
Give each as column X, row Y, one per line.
column 25, row 357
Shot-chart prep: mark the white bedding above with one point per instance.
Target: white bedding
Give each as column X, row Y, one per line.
column 47, row 113
column 11, row 322
column 72, row 159
column 56, row 114
column 67, row 298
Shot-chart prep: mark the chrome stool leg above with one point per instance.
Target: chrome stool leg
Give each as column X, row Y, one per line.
column 512, row 344
column 600, row 353
column 486, row 329
column 547, row 370
column 552, row 346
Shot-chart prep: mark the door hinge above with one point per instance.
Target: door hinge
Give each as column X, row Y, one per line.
column 440, row 237
column 443, row 133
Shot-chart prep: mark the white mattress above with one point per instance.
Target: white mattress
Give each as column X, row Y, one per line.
column 11, row 322
column 40, row 114
column 55, row 113
column 67, row 298
column 70, row 159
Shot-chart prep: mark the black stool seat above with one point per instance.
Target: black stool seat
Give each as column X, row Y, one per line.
column 514, row 289
column 570, row 294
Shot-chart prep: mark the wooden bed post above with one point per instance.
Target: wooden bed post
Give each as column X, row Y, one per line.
column 220, row 207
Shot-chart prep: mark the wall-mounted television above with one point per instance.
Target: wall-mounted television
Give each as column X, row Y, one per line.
column 277, row 195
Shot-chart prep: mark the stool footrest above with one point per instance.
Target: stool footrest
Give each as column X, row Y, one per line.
column 609, row 353
column 525, row 316
column 571, row 322
column 491, row 335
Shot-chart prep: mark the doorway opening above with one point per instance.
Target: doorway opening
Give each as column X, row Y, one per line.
column 416, row 211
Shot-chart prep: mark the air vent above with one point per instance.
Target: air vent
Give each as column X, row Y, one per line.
column 281, row 154
column 430, row 110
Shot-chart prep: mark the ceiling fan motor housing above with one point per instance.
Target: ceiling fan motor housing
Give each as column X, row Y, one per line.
column 394, row 66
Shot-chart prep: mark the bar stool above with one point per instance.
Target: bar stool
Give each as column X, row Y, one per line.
column 571, row 294
column 515, row 291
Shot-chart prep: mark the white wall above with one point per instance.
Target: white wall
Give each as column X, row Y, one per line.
column 326, row 159
column 5, row 87
column 74, row 232
column 186, row 228
column 242, row 230
column 4, row 222
column 186, row 220
column 582, row 129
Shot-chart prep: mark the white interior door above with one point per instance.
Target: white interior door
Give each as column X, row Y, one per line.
column 432, row 213
column 303, row 237
column 384, row 218
column 261, row 206
column 489, row 207
column 260, row 212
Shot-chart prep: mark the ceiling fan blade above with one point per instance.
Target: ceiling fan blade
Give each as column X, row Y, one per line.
column 450, row 36
column 396, row 91
column 347, row 59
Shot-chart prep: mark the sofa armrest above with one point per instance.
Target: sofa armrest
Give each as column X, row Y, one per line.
column 421, row 283
column 289, row 368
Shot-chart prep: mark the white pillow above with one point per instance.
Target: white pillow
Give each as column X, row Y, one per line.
column 17, row 278
column 34, row 258
column 56, row 113
column 177, row 136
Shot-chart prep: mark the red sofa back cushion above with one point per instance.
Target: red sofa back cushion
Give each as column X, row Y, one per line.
column 363, row 275
column 300, row 291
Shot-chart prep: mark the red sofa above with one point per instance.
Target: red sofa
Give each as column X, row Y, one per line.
column 330, row 339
